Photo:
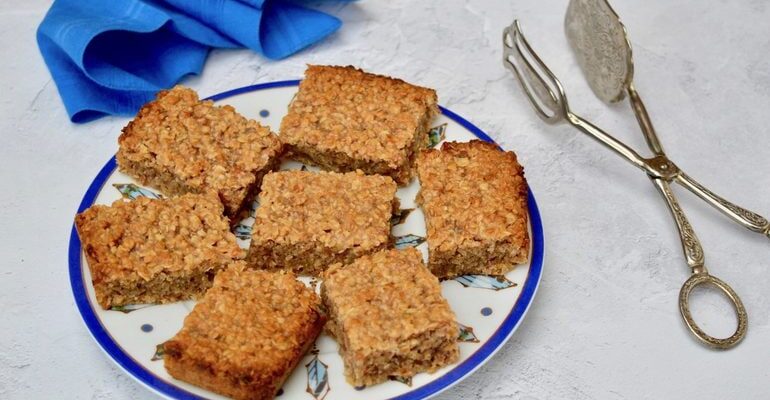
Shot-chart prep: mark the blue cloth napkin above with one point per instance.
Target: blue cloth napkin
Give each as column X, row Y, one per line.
column 111, row 57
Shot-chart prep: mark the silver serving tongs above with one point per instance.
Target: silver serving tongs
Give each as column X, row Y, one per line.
column 599, row 40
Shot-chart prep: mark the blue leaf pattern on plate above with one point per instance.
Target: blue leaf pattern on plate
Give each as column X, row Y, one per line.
column 317, row 378
column 242, row 231
column 406, row 241
column 485, row 282
column 130, row 307
column 436, row 135
column 253, row 209
column 405, row 381
column 400, row 216
column 466, row 334
column 132, row 191
column 160, row 351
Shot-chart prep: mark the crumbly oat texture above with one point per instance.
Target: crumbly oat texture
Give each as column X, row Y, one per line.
column 180, row 144
column 474, row 197
column 309, row 220
column 389, row 317
column 344, row 119
column 247, row 334
column 155, row 250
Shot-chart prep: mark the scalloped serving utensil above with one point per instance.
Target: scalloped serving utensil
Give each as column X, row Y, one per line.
column 603, row 51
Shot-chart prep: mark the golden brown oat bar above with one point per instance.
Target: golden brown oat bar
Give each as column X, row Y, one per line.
column 474, row 196
column 309, row 220
column 247, row 334
column 344, row 119
column 155, row 250
column 388, row 315
column 180, row 144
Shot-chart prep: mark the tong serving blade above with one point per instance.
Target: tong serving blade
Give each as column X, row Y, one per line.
column 600, row 42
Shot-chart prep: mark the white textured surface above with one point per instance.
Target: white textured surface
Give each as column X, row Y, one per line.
column 605, row 323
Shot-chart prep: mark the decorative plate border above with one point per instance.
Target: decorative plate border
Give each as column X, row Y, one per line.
column 154, row 383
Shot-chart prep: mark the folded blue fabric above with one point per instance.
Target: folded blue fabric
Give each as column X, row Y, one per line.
column 111, row 57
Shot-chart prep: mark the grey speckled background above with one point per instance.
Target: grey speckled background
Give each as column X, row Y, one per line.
column 604, row 324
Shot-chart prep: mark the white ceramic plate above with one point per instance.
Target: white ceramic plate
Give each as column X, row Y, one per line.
column 489, row 309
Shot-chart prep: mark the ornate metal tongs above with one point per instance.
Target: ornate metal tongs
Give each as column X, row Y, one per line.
column 599, row 40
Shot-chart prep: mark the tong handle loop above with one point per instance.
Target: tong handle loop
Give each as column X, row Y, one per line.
column 704, row 278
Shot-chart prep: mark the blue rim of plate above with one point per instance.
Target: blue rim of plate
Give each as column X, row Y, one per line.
column 495, row 342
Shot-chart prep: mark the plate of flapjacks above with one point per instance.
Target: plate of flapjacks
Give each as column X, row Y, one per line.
column 338, row 237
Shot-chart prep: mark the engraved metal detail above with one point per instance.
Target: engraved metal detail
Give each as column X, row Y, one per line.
column 751, row 217
column 691, row 245
column 599, row 41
